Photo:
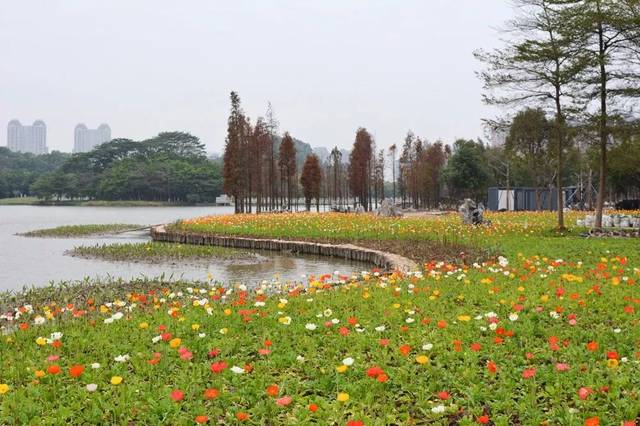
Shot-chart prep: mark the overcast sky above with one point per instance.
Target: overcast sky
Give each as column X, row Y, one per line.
column 327, row 66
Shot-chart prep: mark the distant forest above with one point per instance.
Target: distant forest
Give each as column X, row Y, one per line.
column 172, row 167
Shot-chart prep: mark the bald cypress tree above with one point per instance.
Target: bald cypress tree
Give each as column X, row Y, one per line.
column 311, row 180
column 287, row 163
column 233, row 177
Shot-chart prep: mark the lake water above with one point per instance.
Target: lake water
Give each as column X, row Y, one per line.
column 38, row 261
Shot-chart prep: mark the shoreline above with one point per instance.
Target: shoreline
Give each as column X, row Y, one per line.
column 385, row 260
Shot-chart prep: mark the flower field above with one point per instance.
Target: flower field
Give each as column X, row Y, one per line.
column 545, row 334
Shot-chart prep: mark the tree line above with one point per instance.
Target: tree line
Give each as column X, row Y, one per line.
column 171, row 167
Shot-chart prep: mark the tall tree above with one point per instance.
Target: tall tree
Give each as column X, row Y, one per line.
column 232, row 170
column 610, row 31
column 272, row 129
column 537, row 66
column 360, row 168
column 392, row 153
column 311, row 181
column 287, row 163
column 336, row 161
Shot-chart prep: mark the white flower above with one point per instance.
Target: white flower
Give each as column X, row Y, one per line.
column 122, row 358
column 335, row 321
column 92, row 387
column 202, row 335
column 513, row 317
column 237, row 370
column 617, row 330
column 95, row 365
column 300, row 359
column 327, row 312
column 259, row 304
column 381, row 328
column 108, row 320
column 310, row 326
column 493, row 326
column 502, row 261
column 117, row 315
column 39, row 320
column 554, row 314
column 56, row 336
column 409, row 320
column 438, row 409
column 348, row 361
column 427, row 346
column 156, row 339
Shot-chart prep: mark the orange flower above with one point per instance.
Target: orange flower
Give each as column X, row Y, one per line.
column 592, row 346
column 202, row 419
column 273, row 390
column 76, row 370
column 592, row 421
column 405, row 349
column 53, row 369
column 242, row 416
column 211, row 393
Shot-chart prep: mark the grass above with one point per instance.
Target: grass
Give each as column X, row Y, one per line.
column 547, row 334
column 72, row 231
column 18, row 201
column 157, row 252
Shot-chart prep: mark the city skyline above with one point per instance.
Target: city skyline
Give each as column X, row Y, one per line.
column 27, row 139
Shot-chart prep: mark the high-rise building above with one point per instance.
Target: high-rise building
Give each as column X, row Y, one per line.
column 31, row 139
column 86, row 139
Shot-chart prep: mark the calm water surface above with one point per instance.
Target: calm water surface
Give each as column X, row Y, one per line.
column 38, row 261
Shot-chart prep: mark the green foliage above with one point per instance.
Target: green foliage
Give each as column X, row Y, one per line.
column 169, row 167
column 18, row 171
column 158, row 252
column 70, row 231
column 467, row 172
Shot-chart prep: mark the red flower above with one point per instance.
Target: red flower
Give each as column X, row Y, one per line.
column 218, row 367
column 213, row 353
column 592, row 421
column 374, row 371
column 475, row 347
column 177, row 395
column 612, row 355
column 492, row 367
column 483, row 419
column 382, row 378
column 529, row 373
column 355, row 423
column 444, row 395
column 53, row 369
column 76, row 370
column 313, row 407
column 383, row 342
column 202, row 419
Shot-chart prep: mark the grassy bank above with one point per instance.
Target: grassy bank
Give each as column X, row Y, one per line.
column 547, row 334
column 19, row 201
column 156, row 252
column 72, row 231
column 33, row 201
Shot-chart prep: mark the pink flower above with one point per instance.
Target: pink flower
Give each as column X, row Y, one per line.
column 584, row 392
column 284, row 401
column 53, row 358
column 264, row 351
column 177, row 395
column 562, row 366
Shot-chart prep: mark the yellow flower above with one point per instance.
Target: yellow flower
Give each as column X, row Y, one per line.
column 612, row 363
column 341, row 368
column 343, row 397
column 422, row 359
column 41, row 341
column 116, row 380
column 143, row 325
column 174, row 343
column 4, row 388
column 104, row 309
column 195, row 327
column 284, row 320
column 224, row 330
column 615, row 281
column 464, row 318
column 544, row 298
column 39, row 374
column 227, row 312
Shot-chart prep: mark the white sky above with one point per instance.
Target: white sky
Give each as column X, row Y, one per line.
column 327, row 66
